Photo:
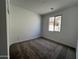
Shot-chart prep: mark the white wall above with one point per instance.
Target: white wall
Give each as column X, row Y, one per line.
column 23, row 24
column 68, row 34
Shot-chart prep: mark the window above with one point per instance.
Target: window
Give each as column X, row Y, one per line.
column 55, row 23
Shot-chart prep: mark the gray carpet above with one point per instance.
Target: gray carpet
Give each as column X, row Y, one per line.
column 41, row 49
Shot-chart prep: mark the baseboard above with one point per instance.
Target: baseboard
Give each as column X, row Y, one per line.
column 45, row 39
column 33, row 38
column 57, row 42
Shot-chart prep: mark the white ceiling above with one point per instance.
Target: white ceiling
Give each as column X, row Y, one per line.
column 43, row 6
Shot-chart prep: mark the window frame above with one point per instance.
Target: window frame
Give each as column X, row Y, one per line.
column 54, row 19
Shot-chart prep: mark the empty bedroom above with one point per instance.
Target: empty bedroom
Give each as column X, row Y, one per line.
column 42, row 29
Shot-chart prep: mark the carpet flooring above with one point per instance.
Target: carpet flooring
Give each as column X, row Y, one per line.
column 41, row 49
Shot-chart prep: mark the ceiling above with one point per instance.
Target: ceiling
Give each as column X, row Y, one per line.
column 43, row 6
